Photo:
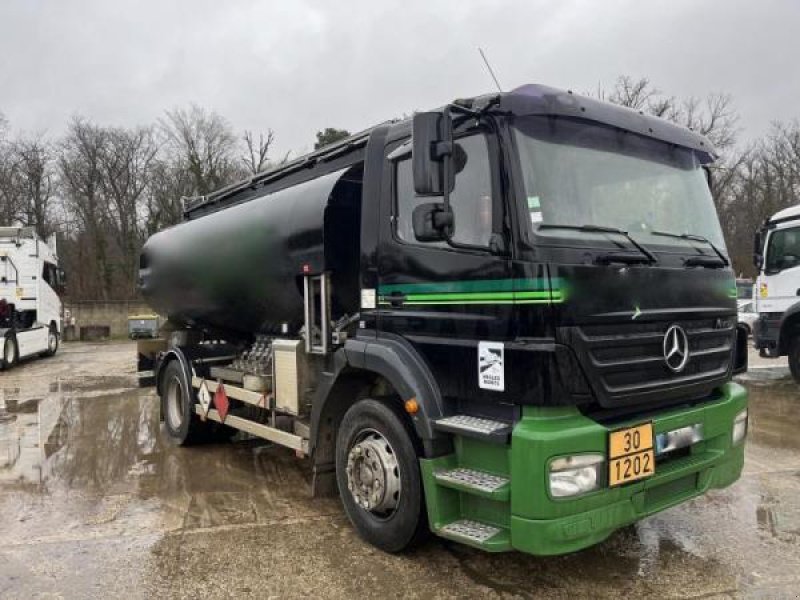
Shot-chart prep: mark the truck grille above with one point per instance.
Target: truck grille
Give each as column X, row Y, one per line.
column 625, row 361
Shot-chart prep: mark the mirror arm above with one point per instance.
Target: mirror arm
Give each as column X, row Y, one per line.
column 447, row 164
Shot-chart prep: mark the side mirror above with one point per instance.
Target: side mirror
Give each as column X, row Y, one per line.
column 432, row 222
column 432, row 138
column 61, row 280
column 709, row 179
column 758, row 244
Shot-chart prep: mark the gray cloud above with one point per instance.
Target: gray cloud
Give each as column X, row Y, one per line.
column 303, row 65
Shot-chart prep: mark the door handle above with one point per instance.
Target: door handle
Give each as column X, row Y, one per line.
column 397, row 298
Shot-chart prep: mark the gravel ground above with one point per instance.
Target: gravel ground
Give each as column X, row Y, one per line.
column 95, row 503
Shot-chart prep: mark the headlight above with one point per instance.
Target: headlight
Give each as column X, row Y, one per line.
column 575, row 475
column 739, row 427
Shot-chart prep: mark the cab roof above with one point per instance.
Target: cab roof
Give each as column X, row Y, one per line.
column 787, row 214
column 535, row 99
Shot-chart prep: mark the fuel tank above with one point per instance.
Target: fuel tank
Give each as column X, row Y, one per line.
column 239, row 271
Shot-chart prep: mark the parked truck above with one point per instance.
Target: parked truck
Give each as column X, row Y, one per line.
column 30, row 283
column 510, row 321
column 776, row 255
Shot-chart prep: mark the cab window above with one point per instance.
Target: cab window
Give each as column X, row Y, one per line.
column 49, row 274
column 783, row 251
column 471, row 198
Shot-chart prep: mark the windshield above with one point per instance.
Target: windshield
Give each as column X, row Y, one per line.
column 580, row 173
column 783, row 249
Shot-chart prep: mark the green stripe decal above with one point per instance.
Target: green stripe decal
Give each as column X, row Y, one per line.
column 481, row 291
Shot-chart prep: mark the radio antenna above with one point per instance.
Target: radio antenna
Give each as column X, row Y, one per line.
column 489, row 68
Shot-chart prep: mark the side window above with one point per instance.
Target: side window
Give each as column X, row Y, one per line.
column 784, row 249
column 471, row 198
column 48, row 274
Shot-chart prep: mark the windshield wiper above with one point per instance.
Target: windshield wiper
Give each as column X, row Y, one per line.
column 651, row 259
column 696, row 238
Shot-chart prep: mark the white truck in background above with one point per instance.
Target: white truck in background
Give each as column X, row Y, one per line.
column 776, row 255
column 30, row 307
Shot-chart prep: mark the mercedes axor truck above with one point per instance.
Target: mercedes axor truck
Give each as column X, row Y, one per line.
column 510, row 321
column 776, row 255
column 30, row 307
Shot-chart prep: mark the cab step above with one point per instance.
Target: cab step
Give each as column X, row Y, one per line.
column 481, row 483
column 477, row 427
column 480, row 535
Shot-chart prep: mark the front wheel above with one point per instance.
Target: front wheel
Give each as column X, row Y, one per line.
column 52, row 342
column 10, row 352
column 794, row 357
column 377, row 472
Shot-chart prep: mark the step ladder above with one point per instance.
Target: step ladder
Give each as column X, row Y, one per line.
column 469, row 491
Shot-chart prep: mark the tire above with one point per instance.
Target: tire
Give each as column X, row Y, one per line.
column 794, row 357
column 182, row 425
column 10, row 356
column 373, row 431
column 53, row 340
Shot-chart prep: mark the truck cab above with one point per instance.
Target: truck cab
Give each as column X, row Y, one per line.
column 30, row 307
column 777, row 288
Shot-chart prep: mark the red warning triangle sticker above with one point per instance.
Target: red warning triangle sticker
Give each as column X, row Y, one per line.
column 221, row 402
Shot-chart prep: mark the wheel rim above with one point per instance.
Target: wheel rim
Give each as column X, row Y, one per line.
column 175, row 403
column 373, row 474
column 8, row 352
column 52, row 341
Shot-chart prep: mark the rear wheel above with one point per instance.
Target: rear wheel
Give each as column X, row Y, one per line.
column 794, row 356
column 377, row 472
column 183, row 425
column 10, row 352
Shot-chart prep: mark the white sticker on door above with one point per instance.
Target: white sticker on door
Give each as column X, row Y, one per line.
column 368, row 298
column 491, row 373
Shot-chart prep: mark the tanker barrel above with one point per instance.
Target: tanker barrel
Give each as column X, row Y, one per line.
column 239, row 271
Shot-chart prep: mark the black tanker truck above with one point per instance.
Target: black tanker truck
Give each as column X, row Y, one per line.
column 510, row 321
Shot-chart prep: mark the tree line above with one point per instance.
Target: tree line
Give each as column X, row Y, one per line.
column 103, row 190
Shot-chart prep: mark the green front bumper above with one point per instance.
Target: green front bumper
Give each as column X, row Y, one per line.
column 534, row 522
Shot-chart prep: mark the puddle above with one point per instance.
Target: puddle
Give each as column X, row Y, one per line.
column 84, row 462
column 774, row 412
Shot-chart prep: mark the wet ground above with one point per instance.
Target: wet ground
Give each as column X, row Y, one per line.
column 94, row 503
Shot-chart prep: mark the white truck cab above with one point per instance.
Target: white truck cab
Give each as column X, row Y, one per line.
column 30, row 307
column 777, row 288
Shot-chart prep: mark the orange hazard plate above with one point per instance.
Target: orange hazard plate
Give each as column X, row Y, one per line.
column 630, row 454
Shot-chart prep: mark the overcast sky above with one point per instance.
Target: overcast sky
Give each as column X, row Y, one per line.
column 302, row 65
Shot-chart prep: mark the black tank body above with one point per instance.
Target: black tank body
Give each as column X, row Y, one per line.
column 238, row 271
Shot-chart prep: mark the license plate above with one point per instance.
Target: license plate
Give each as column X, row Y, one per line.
column 630, row 454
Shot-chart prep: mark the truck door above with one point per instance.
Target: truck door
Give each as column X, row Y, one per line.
column 442, row 299
column 781, row 270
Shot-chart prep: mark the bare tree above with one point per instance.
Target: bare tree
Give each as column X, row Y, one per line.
column 125, row 161
column 168, row 183
column 256, row 158
column 81, row 176
column 205, row 143
column 9, row 202
column 34, row 182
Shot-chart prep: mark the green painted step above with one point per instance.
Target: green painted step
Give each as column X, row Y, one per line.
column 477, row 534
column 473, row 481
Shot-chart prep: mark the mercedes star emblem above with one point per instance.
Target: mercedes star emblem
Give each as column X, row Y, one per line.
column 676, row 348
